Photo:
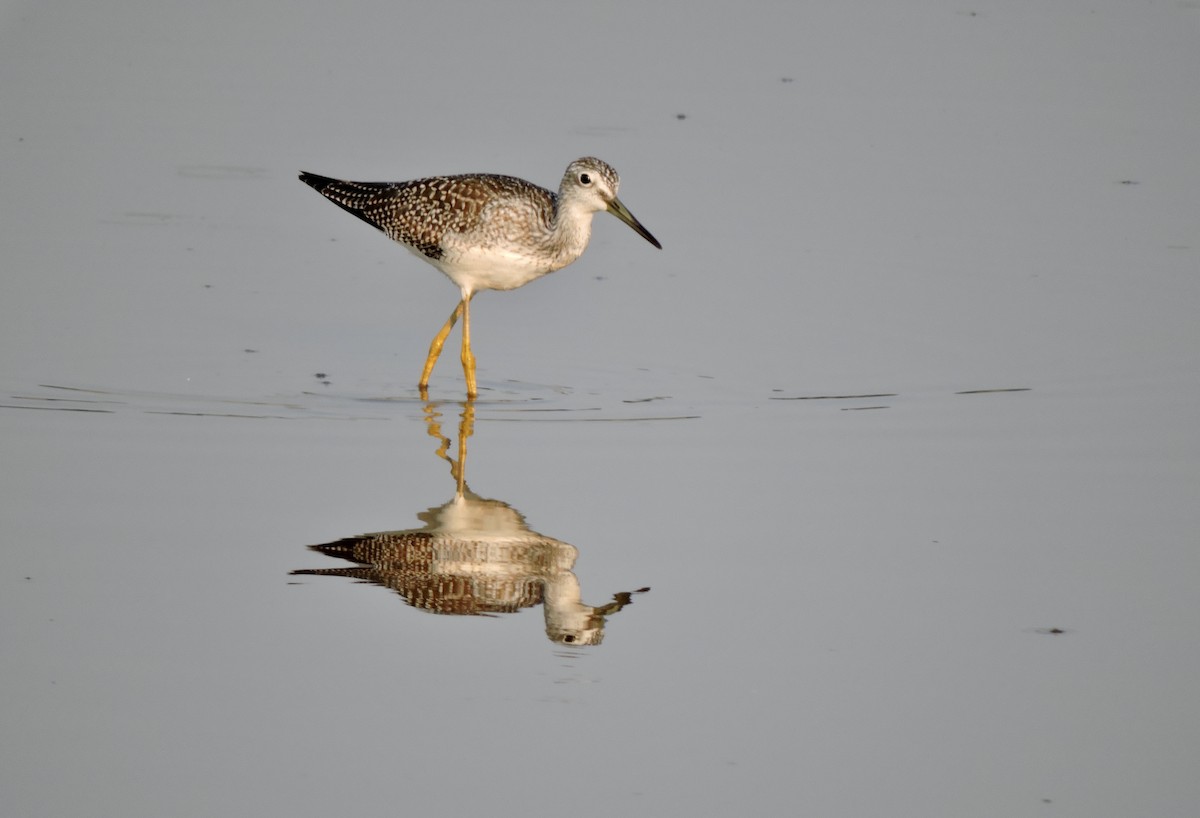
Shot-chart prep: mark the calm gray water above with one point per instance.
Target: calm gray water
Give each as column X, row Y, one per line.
column 873, row 493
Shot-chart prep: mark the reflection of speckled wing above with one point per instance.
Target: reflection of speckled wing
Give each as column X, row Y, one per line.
column 419, row 213
column 405, row 561
column 385, row 548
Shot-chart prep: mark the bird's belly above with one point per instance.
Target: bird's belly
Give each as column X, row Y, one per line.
column 492, row 268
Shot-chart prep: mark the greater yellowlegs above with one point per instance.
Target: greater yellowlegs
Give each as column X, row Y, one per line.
column 484, row 231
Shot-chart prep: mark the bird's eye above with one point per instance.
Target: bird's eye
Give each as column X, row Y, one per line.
column 585, row 179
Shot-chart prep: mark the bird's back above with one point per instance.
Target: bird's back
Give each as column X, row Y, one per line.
column 428, row 215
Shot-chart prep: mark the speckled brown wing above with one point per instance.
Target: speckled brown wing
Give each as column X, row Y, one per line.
column 419, row 213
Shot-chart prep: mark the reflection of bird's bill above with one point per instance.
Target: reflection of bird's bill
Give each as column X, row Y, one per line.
column 622, row 212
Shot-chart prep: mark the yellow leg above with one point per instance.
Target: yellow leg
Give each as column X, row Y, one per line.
column 468, row 357
column 435, row 349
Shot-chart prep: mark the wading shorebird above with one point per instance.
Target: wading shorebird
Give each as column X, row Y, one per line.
column 485, row 231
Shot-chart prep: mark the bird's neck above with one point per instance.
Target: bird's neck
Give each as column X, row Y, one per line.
column 569, row 231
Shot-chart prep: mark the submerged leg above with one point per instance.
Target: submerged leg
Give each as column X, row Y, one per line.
column 435, row 349
column 468, row 357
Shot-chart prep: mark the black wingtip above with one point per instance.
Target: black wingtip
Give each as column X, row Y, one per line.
column 315, row 181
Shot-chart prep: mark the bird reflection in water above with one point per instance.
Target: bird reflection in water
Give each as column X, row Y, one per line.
column 475, row 556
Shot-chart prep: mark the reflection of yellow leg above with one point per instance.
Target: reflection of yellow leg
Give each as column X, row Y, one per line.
column 465, row 428
column 468, row 357
column 435, row 349
column 434, row 429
